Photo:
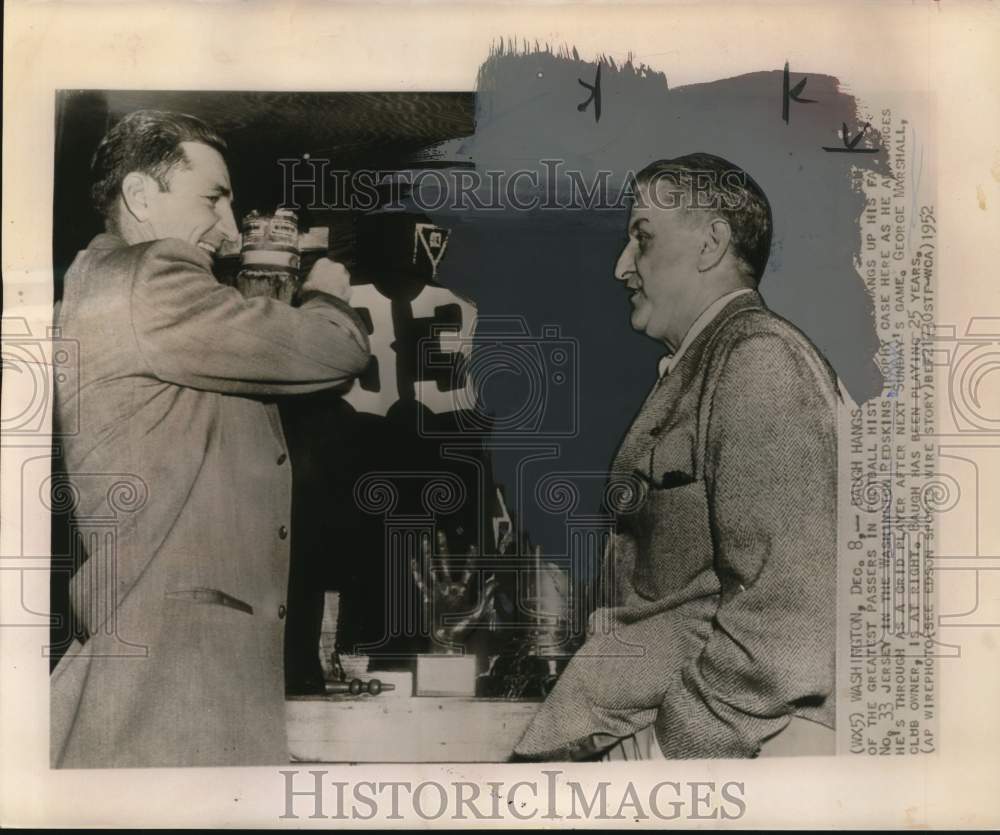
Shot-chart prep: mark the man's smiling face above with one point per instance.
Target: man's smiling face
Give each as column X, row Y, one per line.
column 197, row 206
column 659, row 263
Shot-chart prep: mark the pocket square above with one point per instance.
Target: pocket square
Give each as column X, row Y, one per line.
column 675, row 478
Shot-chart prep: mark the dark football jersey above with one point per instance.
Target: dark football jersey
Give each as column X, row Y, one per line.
column 376, row 465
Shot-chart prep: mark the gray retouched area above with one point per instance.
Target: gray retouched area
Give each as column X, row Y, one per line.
column 554, row 267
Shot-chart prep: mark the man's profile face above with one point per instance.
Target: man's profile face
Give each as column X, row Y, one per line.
column 197, row 205
column 659, row 263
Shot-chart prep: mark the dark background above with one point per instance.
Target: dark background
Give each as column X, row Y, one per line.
column 524, row 270
column 539, row 270
column 383, row 131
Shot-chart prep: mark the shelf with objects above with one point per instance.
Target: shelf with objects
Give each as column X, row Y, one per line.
column 422, row 624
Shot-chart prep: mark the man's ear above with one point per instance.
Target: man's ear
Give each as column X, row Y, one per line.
column 716, row 237
column 136, row 195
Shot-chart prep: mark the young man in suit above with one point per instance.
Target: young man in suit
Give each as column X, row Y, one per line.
column 719, row 631
column 179, row 472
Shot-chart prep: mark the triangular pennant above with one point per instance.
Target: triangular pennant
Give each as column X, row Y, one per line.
column 434, row 240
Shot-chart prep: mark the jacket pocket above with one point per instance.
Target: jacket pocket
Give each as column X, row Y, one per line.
column 673, row 539
column 210, row 597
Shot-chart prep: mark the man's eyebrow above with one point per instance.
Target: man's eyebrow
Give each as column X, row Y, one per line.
column 635, row 224
column 222, row 191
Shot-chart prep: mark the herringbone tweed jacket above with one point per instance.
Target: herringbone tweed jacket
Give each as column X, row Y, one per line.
column 722, row 620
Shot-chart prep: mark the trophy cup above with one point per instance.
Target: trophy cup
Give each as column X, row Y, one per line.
column 269, row 256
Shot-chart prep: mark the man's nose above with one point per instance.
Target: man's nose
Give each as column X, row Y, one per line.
column 625, row 264
column 227, row 223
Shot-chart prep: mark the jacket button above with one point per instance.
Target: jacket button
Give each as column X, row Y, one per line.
column 283, row 532
column 282, row 611
column 282, row 459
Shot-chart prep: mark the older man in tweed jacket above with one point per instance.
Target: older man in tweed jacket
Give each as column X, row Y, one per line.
column 720, row 628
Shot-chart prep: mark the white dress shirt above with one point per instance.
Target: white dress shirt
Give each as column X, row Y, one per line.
column 669, row 362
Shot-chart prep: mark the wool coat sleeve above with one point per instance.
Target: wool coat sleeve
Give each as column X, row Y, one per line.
column 770, row 474
column 193, row 331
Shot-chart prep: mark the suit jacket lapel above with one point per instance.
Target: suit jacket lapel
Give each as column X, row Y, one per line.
column 658, row 409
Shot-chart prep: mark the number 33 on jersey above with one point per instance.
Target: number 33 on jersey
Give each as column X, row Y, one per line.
column 421, row 348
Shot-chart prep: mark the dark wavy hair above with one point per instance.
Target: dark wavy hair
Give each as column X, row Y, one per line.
column 147, row 141
column 714, row 184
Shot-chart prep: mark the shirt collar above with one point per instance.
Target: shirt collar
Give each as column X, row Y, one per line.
column 669, row 362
